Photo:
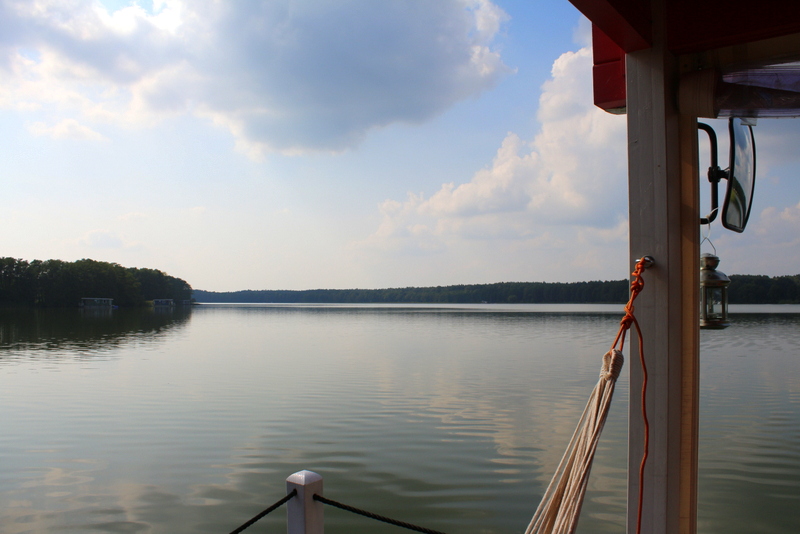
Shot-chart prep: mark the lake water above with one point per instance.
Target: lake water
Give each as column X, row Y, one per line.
column 453, row 418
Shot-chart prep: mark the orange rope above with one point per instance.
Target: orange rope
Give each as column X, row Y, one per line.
column 636, row 287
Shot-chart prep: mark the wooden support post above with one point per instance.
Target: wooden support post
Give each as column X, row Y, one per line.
column 304, row 515
column 690, row 326
column 664, row 223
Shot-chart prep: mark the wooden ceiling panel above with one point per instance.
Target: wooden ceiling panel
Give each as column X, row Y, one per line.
column 693, row 25
column 696, row 26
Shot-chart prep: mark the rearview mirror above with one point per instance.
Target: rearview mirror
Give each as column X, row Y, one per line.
column 741, row 175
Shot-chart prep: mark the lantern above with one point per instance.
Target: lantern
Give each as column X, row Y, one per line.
column 713, row 293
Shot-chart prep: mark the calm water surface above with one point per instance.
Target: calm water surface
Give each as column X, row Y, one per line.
column 452, row 418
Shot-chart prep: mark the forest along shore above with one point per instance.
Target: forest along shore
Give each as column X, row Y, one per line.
column 61, row 284
column 744, row 289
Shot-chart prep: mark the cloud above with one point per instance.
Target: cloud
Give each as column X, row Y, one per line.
column 279, row 75
column 101, row 239
column 779, row 226
column 133, row 216
column 770, row 245
column 774, row 232
column 562, row 190
column 66, row 129
column 775, row 142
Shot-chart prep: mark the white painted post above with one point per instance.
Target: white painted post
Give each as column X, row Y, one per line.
column 304, row 515
column 664, row 212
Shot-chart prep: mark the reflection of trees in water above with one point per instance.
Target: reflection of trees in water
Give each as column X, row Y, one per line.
column 85, row 330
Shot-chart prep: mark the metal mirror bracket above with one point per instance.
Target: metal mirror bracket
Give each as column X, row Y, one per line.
column 715, row 174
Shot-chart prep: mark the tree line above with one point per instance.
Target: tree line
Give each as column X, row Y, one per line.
column 744, row 289
column 760, row 289
column 56, row 283
column 514, row 292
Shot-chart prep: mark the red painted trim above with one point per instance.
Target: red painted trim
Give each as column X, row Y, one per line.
column 626, row 22
column 608, row 73
column 609, row 95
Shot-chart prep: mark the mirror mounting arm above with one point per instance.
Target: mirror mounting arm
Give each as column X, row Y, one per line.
column 715, row 174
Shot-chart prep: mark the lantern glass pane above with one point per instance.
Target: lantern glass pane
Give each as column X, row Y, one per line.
column 714, row 303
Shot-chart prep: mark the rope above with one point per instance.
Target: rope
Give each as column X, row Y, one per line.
column 377, row 517
column 265, row 512
column 559, row 511
column 637, row 284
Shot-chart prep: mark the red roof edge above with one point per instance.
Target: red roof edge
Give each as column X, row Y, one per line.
column 626, row 22
column 608, row 73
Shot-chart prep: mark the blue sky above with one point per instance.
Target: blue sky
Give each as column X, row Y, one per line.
column 332, row 144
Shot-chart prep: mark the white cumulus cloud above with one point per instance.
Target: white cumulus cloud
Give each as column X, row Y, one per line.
column 774, row 233
column 101, row 239
column 66, row 129
column 563, row 193
column 280, row 75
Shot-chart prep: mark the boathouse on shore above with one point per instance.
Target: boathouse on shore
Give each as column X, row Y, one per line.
column 93, row 302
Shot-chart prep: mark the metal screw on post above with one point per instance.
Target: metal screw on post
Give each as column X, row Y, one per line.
column 304, row 515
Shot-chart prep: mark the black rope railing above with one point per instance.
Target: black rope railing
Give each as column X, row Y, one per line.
column 265, row 512
column 377, row 517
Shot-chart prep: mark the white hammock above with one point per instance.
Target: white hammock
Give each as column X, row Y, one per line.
column 560, row 508
column 561, row 505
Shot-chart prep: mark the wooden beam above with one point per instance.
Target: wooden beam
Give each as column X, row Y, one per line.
column 757, row 53
column 664, row 223
column 696, row 26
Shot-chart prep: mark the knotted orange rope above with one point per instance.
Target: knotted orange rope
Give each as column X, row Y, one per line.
column 637, row 284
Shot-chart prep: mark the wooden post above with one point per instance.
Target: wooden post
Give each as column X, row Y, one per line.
column 690, row 325
column 304, row 515
column 664, row 224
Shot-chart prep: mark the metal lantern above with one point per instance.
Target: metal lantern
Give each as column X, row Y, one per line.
column 713, row 293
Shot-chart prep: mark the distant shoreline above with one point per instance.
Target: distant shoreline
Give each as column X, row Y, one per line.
column 744, row 289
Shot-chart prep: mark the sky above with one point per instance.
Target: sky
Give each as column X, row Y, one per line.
column 302, row 144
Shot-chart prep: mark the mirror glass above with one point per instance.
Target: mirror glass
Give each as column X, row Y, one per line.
column 741, row 176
